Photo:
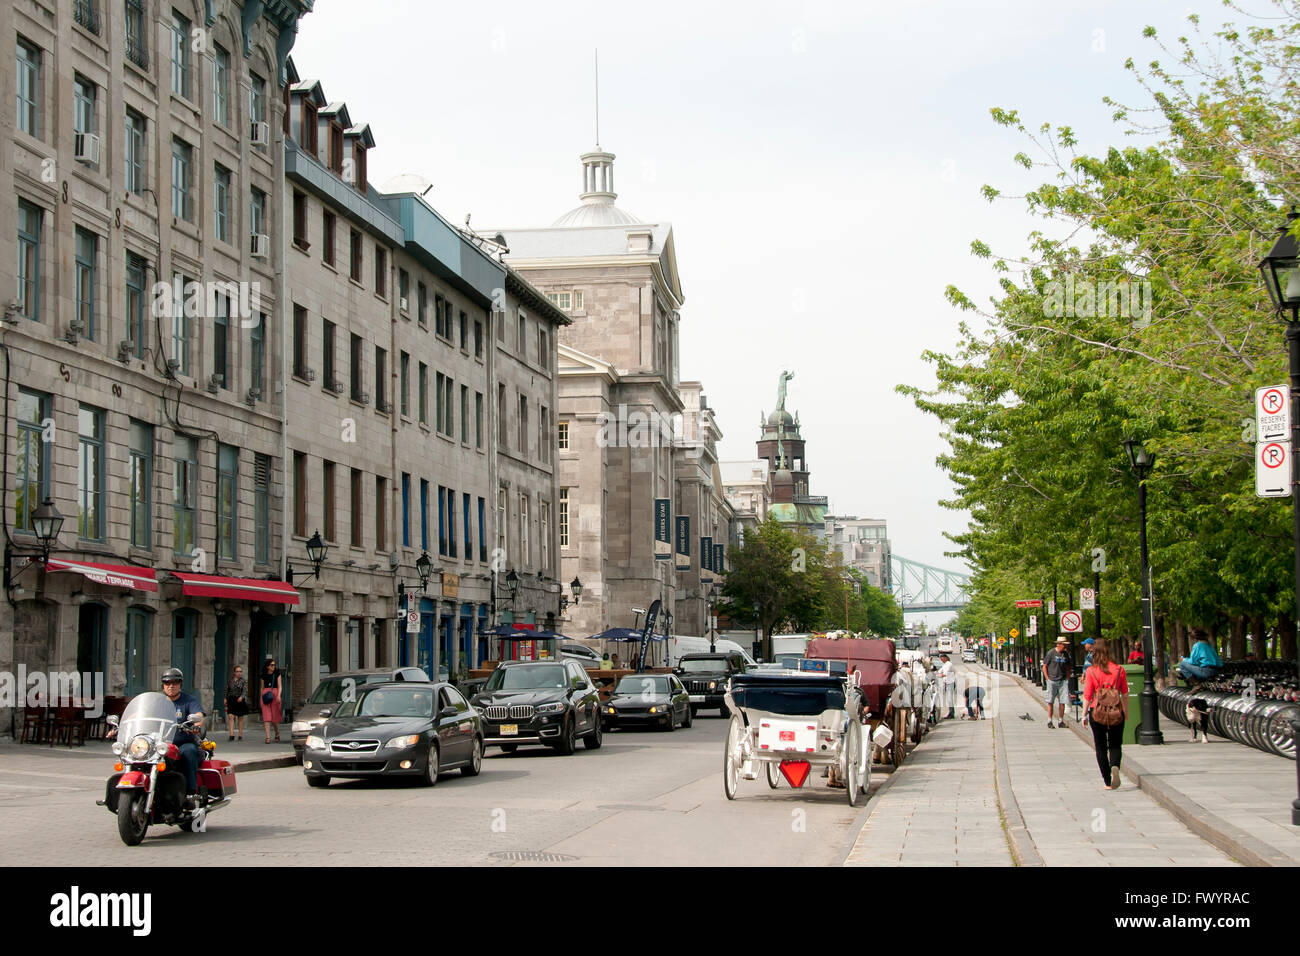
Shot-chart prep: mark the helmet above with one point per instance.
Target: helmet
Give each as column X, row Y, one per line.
column 173, row 673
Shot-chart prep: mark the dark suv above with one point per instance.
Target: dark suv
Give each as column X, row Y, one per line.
column 706, row 677
column 540, row 702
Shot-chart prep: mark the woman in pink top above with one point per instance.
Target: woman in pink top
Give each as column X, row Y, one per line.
column 1108, row 740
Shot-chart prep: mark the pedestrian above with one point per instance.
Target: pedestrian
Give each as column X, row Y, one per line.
column 236, row 703
column 1105, row 695
column 1204, row 663
column 272, row 704
column 948, row 681
column 1087, row 659
column 605, row 663
column 1056, row 677
column 975, row 701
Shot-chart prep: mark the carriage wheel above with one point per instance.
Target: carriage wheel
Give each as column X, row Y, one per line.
column 731, row 758
column 852, row 762
column 900, row 740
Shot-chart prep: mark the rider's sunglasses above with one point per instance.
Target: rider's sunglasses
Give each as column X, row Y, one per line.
column 166, row 682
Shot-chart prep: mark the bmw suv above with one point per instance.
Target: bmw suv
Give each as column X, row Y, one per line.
column 551, row 703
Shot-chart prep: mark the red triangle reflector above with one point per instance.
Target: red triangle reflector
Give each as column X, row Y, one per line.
column 796, row 772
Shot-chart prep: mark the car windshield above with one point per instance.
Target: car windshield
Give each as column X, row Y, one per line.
column 642, row 684
column 542, row 676
column 396, row 702
column 334, row 689
column 704, row 665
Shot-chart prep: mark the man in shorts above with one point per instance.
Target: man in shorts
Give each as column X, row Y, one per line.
column 1056, row 673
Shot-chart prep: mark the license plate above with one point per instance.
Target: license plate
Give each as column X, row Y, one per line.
column 697, row 698
column 509, row 730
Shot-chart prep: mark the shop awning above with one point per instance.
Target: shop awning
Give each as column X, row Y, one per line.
column 240, row 589
column 114, row 575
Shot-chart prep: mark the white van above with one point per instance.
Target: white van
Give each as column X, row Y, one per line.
column 686, row 644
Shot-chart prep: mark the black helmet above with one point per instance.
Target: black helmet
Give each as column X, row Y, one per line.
column 173, row 673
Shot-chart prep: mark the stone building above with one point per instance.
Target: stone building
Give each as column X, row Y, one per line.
column 781, row 445
column 700, row 496
column 863, row 543
column 144, row 162
column 748, row 489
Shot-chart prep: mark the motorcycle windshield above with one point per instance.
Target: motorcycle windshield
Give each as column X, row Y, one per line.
column 150, row 713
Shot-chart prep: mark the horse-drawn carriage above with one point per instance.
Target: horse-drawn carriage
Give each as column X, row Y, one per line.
column 791, row 724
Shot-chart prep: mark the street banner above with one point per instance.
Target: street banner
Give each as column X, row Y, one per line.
column 651, row 617
column 683, row 543
column 663, row 529
column 719, row 554
column 706, row 553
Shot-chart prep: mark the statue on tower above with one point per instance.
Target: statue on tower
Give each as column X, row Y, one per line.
column 780, row 390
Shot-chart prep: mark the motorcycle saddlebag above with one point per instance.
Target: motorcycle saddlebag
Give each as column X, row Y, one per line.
column 219, row 777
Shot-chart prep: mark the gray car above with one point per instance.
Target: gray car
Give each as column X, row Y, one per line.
column 334, row 689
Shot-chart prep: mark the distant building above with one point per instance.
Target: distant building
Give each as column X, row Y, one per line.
column 747, row 486
column 782, row 447
column 701, row 497
column 863, row 543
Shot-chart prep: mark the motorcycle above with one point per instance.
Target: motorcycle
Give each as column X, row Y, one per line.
column 144, row 790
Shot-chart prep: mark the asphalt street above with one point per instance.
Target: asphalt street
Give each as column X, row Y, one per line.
column 646, row 797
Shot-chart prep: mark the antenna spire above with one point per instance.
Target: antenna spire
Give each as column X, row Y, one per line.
column 598, row 98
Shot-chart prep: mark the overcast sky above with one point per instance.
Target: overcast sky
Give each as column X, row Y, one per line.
column 820, row 163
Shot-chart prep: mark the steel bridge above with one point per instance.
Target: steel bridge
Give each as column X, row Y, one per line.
column 920, row 587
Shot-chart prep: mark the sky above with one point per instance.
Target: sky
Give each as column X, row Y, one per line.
column 820, row 163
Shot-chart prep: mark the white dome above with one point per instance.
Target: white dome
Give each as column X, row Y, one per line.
column 597, row 214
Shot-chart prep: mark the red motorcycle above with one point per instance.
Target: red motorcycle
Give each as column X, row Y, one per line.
column 148, row 785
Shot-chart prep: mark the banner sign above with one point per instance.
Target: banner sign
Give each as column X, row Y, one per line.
column 719, row 564
column 663, row 529
column 706, row 553
column 650, row 619
column 683, row 542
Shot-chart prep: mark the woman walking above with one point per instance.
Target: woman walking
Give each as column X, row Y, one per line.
column 1105, row 695
column 272, row 708
column 236, row 702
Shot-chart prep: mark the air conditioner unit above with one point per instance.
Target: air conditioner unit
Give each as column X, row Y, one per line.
column 260, row 134
column 260, row 244
column 86, row 148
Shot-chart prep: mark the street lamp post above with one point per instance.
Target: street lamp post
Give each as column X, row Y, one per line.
column 712, row 608
column 1142, row 461
column 1281, row 272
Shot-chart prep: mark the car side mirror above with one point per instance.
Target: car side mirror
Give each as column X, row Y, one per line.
column 327, row 712
column 448, row 711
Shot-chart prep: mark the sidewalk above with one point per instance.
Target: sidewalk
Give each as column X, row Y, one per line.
column 1235, row 797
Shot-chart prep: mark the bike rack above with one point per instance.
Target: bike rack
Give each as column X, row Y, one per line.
column 1262, row 724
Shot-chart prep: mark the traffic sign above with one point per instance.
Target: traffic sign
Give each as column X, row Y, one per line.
column 1272, row 413
column 1273, row 469
column 1071, row 622
column 1029, row 604
column 1087, row 599
column 1033, row 625
column 1014, row 633
column 1001, row 641
column 1051, row 607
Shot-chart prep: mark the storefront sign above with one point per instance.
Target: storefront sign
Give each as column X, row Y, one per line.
column 663, row 529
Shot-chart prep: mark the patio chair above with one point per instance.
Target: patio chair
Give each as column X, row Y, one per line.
column 34, row 721
column 69, row 720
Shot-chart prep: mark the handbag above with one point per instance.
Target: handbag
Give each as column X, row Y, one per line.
column 268, row 697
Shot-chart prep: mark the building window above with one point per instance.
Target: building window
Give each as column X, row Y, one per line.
column 482, row 531
column 221, row 201
column 381, row 272
column 221, row 84
column 469, row 546
column 83, row 106
column 327, row 480
column 29, row 88
column 257, row 357
column 543, row 347
column 182, row 163
column 523, row 426
column 135, row 306
column 525, row 552
column 180, row 55
column 577, row 300
column 327, row 253
column 423, row 387
column 256, row 98
column 406, row 510
column 404, row 383
column 185, row 492
column 299, row 341
column 262, row 509
column 141, row 477
column 564, row 517
column 136, row 144
column 544, row 534
column 403, row 288
column 562, row 436
column 221, row 341
column 451, row 523
column 437, row 315
column 327, row 353
column 544, row 433
column 300, row 221
column 32, row 464
column 356, row 509
column 464, row 413
column 478, row 419
column 137, row 650
column 381, row 378
column 381, row 513
column 464, row 332
column 358, row 380
column 521, row 343
column 424, row 514
column 300, row 494
column 356, row 256
column 29, row 259
column 137, row 51
column 227, row 502
column 503, row 440
column 442, row 520
column 180, row 325
column 87, row 253
column 422, row 304
column 439, row 398
column 501, row 520
column 478, row 338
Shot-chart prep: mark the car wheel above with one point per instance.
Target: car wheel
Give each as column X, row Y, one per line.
column 686, row 718
column 694, row 711
column 509, row 748
column 672, row 721
column 475, row 764
column 430, row 777
column 321, row 781
column 568, row 740
column 594, row 739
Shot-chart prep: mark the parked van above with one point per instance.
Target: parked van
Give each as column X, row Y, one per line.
column 686, row 644
column 789, row 644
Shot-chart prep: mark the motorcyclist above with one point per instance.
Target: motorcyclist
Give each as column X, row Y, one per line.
column 188, row 744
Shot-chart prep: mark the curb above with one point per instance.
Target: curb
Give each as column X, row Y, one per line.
column 1023, row 850
column 860, row 821
column 1205, row 823
column 264, row 763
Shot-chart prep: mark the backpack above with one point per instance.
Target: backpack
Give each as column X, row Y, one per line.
column 1107, row 708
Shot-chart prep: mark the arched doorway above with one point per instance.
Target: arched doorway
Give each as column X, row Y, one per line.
column 185, row 633
column 92, row 640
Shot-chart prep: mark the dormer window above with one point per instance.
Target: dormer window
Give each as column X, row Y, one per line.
column 336, row 148
column 308, row 138
column 359, row 166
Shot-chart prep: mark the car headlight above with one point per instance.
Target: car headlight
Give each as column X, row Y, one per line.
column 406, row 740
column 556, row 708
column 654, row 710
column 315, row 743
column 139, row 747
column 610, row 710
column 300, row 727
column 713, row 685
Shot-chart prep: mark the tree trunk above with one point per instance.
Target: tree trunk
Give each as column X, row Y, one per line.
column 1237, row 638
column 1158, row 651
column 1258, row 638
column 1286, row 637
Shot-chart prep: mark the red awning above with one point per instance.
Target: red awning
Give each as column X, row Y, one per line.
column 242, row 589
column 114, row 575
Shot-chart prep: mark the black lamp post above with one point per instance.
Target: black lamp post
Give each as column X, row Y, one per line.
column 316, row 551
column 575, row 587
column 46, row 524
column 1142, row 461
column 712, row 608
column 424, row 568
column 1281, row 272
column 512, row 588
